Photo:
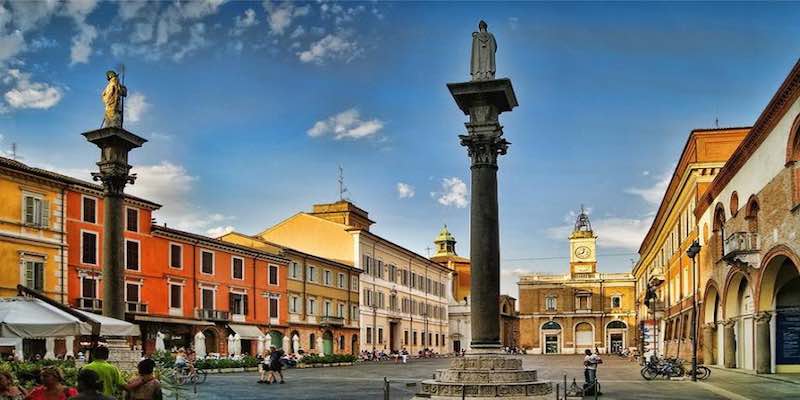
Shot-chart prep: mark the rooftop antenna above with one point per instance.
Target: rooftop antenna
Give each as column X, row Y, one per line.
column 14, row 155
column 428, row 251
column 342, row 187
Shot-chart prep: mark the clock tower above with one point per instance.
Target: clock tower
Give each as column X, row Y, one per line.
column 582, row 246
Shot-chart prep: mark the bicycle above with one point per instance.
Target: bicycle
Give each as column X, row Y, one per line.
column 667, row 368
column 702, row 373
column 186, row 375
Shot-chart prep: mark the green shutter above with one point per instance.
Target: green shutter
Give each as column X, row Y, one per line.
column 38, row 275
column 45, row 223
column 28, row 218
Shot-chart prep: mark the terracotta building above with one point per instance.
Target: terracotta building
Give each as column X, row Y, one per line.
column 583, row 309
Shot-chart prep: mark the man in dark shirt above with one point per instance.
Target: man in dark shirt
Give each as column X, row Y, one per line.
column 275, row 366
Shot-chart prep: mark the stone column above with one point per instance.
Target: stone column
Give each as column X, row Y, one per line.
column 483, row 101
column 763, row 350
column 708, row 343
column 115, row 143
column 729, row 343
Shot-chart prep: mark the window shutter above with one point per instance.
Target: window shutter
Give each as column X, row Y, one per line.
column 45, row 223
column 230, row 303
column 39, row 276
column 28, row 216
column 244, row 299
column 29, row 279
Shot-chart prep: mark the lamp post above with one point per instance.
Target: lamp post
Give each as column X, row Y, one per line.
column 692, row 252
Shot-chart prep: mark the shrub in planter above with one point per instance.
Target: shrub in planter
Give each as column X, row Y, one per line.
column 327, row 359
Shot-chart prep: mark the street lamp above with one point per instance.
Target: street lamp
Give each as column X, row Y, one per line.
column 692, row 252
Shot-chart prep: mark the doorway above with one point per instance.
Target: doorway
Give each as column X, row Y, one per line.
column 616, row 343
column 551, row 344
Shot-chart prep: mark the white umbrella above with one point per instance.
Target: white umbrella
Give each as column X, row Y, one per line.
column 231, row 349
column 69, row 343
column 295, row 343
column 237, row 344
column 49, row 346
column 200, row 345
column 160, row 341
column 319, row 346
column 285, row 343
column 268, row 340
column 260, row 349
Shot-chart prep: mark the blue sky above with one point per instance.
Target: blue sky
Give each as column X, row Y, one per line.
column 250, row 107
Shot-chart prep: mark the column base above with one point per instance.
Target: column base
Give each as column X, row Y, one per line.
column 481, row 375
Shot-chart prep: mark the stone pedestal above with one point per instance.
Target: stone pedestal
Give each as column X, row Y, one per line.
column 121, row 355
column 763, row 352
column 729, row 342
column 708, row 343
column 480, row 376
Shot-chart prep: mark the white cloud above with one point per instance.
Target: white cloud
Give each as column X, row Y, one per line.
column 135, row 106
column 197, row 40
column 11, row 45
column 219, row 231
column 346, row 125
column 299, row 31
column 330, row 47
column 27, row 94
column 405, row 191
column 82, row 42
column 242, row 22
column 32, row 14
column 613, row 232
column 130, row 9
column 280, row 17
column 653, row 194
column 454, row 193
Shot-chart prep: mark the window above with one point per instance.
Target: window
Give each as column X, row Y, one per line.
column 34, row 274
column 294, row 303
column 392, row 273
column 294, row 270
column 207, row 296
column 175, row 255
column 89, row 248
column 368, row 297
column 354, row 283
column 132, row 292
column 405, row 338
column 379, row 268
column 583, row 302
column 415, row 338
column 340, row 310
column 550, row 303
column 237, row 268
column 392, row 302
column 369, row 335
column 132, row 219
column 413, row 280
column 327, row 310
column 342, row 283
column 132, row 255
column 616, row 301
column 380, row 335
column 89, row 287
column 273, row 307
column 310, row 306
column 207, row 259
column 367, row 267
column 238, row 304
column 273, row 274
column 89, row 210
column 327, row 278
column 36, row 211
column 312, row 341
column 175, row 296
column 310, row 270
column 404, row 278
column 354, row 313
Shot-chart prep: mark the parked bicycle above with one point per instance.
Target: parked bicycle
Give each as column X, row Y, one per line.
column 667, row 367
column 702, row 373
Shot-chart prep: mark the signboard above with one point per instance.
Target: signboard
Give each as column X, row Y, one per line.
column 787, row 338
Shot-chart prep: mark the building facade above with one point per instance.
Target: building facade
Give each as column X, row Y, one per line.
column 663, row 266
column 403, row 301
column 748, row 219
column 583, row 309
column 322, row 299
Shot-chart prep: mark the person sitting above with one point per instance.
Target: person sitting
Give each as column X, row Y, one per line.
column 89, row 386
column 8, row 389
column 52, row 387
column 145, row 386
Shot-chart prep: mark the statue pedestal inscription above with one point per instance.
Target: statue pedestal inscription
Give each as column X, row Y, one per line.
column 485, row 371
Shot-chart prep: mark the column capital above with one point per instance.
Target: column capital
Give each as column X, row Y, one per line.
column 728, row 323
column 114, row 176
column 710, row 325
column 763, row 317
column 484, row 149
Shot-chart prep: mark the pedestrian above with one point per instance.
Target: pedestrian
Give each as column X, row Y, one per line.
column 52, row 387
column 275, row 366
column 264, row 369
column 109, row 374
column 89, row 386
column 145, row 386
column 8, row 389
column 590, row 363
column 404, row 355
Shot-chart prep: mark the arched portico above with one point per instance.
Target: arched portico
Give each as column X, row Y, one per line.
column 738, row 324
column 778, row 312
column 712, row 332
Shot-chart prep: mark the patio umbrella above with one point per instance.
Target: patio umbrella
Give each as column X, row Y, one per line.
column 160, row 341
column 200, row 345
column 268, row 340
column 260, row 349
column 295, row 343
column 49, row 346
column 69, row 343
column 231, row 349
column 237, row 344
column 285, row 343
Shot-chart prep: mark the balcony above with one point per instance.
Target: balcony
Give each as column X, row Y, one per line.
column 89, row 304
column 331, row 321
column 211, row 315
column 741, row 249
column 135, row 308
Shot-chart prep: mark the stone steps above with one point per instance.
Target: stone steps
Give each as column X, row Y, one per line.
column 497, row 376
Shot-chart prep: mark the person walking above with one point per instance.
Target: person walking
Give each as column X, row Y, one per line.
column 590, row 363
column 109, row 374
column 275, row 366
column 145, row 386
column 89, row 386
column 264, row 369
column 8, row 389
column 52, row 387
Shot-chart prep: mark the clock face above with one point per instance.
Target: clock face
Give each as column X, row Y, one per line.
column 583, row 252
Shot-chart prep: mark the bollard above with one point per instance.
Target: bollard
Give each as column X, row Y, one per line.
column 557, row 385
column 596, row 389
column 463, row 392
column 385, row 388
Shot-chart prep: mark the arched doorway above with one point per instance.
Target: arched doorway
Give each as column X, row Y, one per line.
column 212, row 341
column 712, row 332
column 312, row 342
column 354, row 347
column 327, row 342
column 551, row 337
column 276, row 339
column 739, row 329
column 778, row 321
column 616, row 336
column 584, row 337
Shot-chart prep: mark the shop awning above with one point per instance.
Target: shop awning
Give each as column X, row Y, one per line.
column 247, row 332
column 166, row 320
column 26, row 317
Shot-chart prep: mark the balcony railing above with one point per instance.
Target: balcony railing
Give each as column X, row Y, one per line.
column 135, row 308
column 331, row 321
column 211, row 315
column 89, row 304
column 741, row 243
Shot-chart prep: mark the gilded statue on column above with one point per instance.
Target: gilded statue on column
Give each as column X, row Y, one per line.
column 112, row 99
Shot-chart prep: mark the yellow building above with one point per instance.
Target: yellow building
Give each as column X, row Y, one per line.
column 403, row 301
column 32, row 234
column 663, row 263
column 323, row 299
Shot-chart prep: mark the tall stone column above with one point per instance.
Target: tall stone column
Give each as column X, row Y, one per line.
column 729, row 343
column 115, row 143
column 763, row 350
column 708, row 343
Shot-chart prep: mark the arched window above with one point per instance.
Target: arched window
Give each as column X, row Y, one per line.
column 617, row 325
column 551, row 325
column 734, row 205
column 312, row 341
column 792, row 158
column 719, row 229
column 752, row 214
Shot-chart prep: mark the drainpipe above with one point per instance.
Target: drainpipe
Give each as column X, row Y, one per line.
column 64, row 265
column 255, row 292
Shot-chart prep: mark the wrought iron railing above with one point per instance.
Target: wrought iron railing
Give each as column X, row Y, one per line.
column 211, row 315
column 135, row 308
column 89, row 304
